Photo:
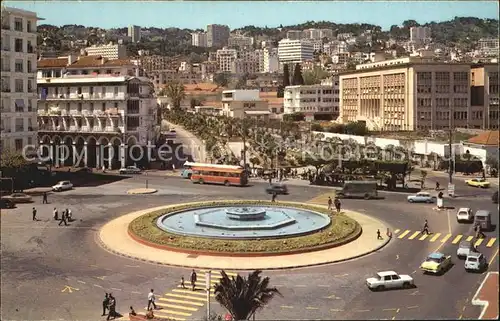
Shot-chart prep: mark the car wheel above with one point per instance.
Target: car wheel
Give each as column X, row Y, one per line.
column 380, row 288
column 406, row 285
column 366, row 196
column 410, row 201
column 226, row 183
column 201, row 181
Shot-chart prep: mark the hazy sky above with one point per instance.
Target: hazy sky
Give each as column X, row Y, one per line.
column 197, row 14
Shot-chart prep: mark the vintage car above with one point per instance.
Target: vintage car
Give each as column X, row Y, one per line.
column 436, row 263
column 62, row 186
column 465, row 214
column 475, row 262
column 421, row 197
column 18, row 198
column 389, row 280
column 464, row 248
column 130, row 170
column 478, row 182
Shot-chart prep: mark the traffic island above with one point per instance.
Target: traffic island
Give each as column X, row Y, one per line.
column 137, row 236
column 139, row 191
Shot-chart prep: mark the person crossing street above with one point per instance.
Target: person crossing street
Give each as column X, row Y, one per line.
column 63, row 219
column 151, row 299
column 34, row 214
column 426, row 228
column 105, row 303
column 194, row 277
column 330, row 202
column 337, row 204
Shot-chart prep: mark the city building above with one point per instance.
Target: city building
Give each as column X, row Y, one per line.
column 244, row 104
column 109, row 51
column 488, row 47
column 295, row 51
column 19, row 65
column 134, row 33
column 217, row 35
column 294, row 34
column 94, row 112
column 335, row 47
column 407, row 94
column 154, row 63
column 270, row 62
column 485, row 96
column 420, row 34
column 161, row 78
column 226, row 60
column 315, row 101
column 199, row 39
column 240, row 42
column 318, row 34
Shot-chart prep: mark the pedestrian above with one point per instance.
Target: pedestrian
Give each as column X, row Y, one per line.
column 479, row 232
column 56, row 217
column 193, row 279
column 437, row 186
column 34, row 214
column 63, row 219
column 182, row 282
column 151, row 299
column 68, row 215
column 105, row 303
column 330, row 203
column 273, row 198
column 426, row 228
column 111, row 307
column 337, row 204
column 379, row 237
column 132, row 311
column 44, row 201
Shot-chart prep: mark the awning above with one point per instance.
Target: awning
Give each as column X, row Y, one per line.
column 19, row 103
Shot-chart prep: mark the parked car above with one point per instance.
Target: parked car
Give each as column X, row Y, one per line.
column 279, row 189
column 389, row 280
column 130, row 170
column 421, row 197
column 436, row 263
column 494, row 197
column 475, row 262
column 465, row 214
column 6, row 203
column 464, row 248
column 478, row 182
column 62, row 186
column 18, row 198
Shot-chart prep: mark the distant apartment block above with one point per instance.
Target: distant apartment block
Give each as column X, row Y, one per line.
column 334, row 47
column 161, row 78
column 318, row 34
column 153, row 63
column 240, row 42
column 217, row 35
column 485, row 95
column 199, row 39
column 294, row 34
column 19, row 66
column 270, row 62
column 295, row 51
column 420, row 34
column 110, row 51
column 244, row 103
column 134, row 33
column 489, row 47
column 226, row 60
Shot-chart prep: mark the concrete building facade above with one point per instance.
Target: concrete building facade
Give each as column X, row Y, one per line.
column 244, row 104
column 295, row 51
column 420, row 34
column 226, row 59
column 18, row 87
column 199, row 39
column 489, row 47
column 485, row 95
column 217, row 35
column 134, row 33
column 109, row 51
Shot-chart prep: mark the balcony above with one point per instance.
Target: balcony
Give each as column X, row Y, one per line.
column 112, row 129
column 5, row 68
column 42, row 112
column 5, row 90
column 75, row 112
column 5, row 27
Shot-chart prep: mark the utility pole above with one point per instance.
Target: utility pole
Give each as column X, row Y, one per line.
column 207, row 285
column 452, row 156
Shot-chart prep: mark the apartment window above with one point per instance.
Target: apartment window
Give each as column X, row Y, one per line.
column 30, row 106
column 116, row 105
column 103, row 90
column 91, row 91
column 19, row 125
column 56, row 91
column 91, row 107
column 19, row 103
column 109, row 71
column 103, row 107
column 79, row 90
column 116, row 91
column 461, row 76
column 18, row 67
column 91, row 122
column 442, row 76
column 30, row 125
column 18, row 45
column 79, row 107
column 29, row 47
column 78, row 123
column 19, row 85
column 29, row 26
column 30, row 85
column 18, row 24
column 30, row 66
column 18, row 143
column 30, row 140
column 68, row 91
column 68, row 107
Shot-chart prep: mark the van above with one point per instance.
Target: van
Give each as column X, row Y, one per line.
column 359, row 189
column 483, row 219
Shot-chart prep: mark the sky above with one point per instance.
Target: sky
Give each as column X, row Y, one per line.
column 197, row 14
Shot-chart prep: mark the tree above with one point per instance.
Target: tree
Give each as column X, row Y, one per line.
column 297, row 76
column 221, row 79
column 356, row 128
column 314, row 76
column 286, row 76
column 12, row 160
column 242, row 297
column 175, row 91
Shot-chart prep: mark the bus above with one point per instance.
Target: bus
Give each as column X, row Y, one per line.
column 359, row 189
column 187, row 168
column 217, row 175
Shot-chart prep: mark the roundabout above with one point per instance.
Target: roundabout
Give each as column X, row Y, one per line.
column 316, row 236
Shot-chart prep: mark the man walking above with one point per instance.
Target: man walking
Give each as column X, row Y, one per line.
column 44, row 201
column 426, row 228
column 105, row 303
column 151, row 299
column 337, row 204
column 34, row 214
column 182, row 282
column 329, row 203
column 56, row 217
column 273, row 198
column 111, row 307
column 379, row 237
column 193, row 279
column 63, row 219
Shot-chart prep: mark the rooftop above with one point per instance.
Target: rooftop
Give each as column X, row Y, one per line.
column 489, row 138
column 82, row 62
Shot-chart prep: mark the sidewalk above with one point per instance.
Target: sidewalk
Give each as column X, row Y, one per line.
column 114, row 237
column 487, row 297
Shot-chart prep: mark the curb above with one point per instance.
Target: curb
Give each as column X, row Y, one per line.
column 141, row 191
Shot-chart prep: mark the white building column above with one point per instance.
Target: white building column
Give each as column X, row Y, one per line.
column 51, row 153
column 74, row 155
column 111, row 152
column 85, row 154
column 123, row 155
column 98, row 163
column 61, row 153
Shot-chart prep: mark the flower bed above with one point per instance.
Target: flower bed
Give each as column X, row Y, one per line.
column 342, row 230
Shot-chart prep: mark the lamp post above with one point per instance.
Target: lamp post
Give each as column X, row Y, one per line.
column 452, row 156
column 207, row 286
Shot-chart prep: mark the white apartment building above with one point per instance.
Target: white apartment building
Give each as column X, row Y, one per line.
column 488, row 47
column 134, row 33
column 226, row 59
column 19, row 65
column 318, row 101
column 240, row 42
column 341, row 58
column 335, row 47
column 199, row 39
column 270, row 63
column 294, row 34
column 109, row 51
column 99, row 109
column 318, row 34
column 420, row 34
column 244, row 103
column 295, row 51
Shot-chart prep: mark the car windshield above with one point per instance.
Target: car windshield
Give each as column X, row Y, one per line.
column 422, row 194
column 472, row 259
column 17, row 195
column 463, row 213
column 465, row 245
column 434, row 259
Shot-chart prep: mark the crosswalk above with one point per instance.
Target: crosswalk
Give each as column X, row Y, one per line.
column 181, row 303
column 441, row 237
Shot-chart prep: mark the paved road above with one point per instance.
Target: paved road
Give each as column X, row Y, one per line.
column 40, row 259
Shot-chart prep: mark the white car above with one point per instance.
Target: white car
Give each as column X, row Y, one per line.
column 465, row 214
column 130, row 170
column 389, row 280
column 421, row 197
column 62, row 186
column 475, row 262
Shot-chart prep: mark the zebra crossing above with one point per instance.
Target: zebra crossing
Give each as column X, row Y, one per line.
column 403, row 234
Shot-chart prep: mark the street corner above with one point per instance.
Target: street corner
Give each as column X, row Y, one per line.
column 141, row 191
column 487, row 297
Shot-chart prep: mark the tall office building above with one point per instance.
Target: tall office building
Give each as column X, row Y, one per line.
column 109, row 51
column 420, row 34
column 134, row 32
column 19, row 65
column 295, row 51
column 217, row 35
column 199, row 39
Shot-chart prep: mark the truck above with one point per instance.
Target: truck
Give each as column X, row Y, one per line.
column 358, row 189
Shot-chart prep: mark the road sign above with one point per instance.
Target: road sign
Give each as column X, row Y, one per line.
column 451, row 190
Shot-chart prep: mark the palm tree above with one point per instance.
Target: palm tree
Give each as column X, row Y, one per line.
column 175, row 91
column 242, row 297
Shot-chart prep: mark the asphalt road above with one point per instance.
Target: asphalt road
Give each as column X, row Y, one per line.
column 54, row 272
